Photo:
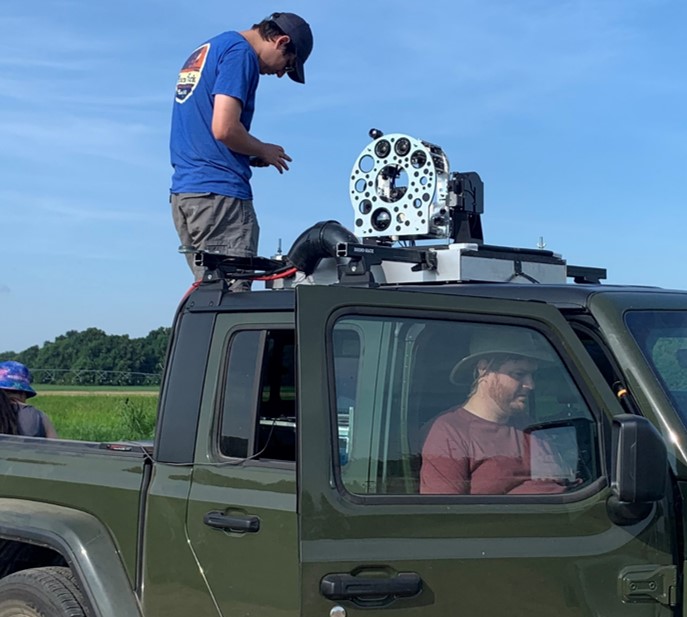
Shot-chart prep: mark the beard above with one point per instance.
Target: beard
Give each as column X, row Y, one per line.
column 511, row 401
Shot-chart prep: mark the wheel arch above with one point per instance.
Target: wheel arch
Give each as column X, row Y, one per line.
column 85, row 545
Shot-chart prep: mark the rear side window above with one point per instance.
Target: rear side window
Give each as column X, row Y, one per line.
column 417, row 410
column 258, row 403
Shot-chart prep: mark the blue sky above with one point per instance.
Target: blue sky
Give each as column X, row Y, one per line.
column 572, row 111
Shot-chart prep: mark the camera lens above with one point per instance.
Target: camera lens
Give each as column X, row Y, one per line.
column 365, row 206
column 382, row 148
column 418, row 159
column 402, row 146
column 381, row 219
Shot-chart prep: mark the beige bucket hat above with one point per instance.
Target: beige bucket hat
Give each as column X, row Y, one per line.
column 504, row 341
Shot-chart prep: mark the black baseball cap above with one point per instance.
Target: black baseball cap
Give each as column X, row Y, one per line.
column 298, row 30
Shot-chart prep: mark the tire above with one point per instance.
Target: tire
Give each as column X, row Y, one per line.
column 41, row 592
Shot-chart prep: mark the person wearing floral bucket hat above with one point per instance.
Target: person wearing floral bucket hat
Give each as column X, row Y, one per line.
column 15, row 382
column 478, row 448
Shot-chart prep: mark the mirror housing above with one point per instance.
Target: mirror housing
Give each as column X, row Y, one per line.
column 639, row 469
column 640, row 460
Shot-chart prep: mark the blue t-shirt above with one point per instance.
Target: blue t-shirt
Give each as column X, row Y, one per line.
column 226, row 64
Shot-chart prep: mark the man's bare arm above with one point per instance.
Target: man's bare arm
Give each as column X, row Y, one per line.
column 227, row 128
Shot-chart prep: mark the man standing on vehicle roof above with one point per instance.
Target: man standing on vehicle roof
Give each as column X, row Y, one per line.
column 211, row 147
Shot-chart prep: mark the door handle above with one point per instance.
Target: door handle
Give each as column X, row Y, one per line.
column 343, row 586
column 241, row 524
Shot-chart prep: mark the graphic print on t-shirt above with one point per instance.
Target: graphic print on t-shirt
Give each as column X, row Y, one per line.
column 190, row 73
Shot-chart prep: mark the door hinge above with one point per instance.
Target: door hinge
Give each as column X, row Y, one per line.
column 649, row 583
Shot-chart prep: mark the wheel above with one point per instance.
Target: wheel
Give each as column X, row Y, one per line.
column 41, row 592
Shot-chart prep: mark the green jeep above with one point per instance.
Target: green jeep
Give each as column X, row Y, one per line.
column 286, row 475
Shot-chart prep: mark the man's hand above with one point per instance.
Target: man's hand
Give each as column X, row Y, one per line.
column 272, row 154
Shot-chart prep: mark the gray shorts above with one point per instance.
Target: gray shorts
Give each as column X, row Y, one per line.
column 217, row 223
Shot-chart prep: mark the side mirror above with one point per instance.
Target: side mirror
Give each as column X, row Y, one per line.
column 639, row 469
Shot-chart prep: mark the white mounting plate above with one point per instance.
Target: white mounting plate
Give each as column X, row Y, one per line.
column 462, row 263
column 456, row 263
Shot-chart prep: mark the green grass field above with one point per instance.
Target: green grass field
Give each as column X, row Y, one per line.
column 100, row 414
column 40, row 388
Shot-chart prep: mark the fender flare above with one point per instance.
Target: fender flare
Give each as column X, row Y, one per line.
column 86, row 545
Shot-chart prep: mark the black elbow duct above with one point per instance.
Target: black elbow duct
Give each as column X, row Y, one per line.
column 317, row 242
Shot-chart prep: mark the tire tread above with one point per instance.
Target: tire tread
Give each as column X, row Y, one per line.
column 54, row 587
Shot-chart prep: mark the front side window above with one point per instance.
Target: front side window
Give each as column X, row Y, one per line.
column 439, row 407
column 662, row 338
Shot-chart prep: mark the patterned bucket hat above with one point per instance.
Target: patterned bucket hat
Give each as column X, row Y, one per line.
column 15, row 376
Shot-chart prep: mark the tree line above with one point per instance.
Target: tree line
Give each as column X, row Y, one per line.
column 94, row 357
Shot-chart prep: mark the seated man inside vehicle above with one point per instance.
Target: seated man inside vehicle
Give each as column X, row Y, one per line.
column 477, row 448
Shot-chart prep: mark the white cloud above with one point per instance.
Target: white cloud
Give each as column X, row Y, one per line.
column 32, row 37
column 40, row 138
column 40, row 209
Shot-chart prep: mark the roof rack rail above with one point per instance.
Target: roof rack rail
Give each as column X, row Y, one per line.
column 222, row 267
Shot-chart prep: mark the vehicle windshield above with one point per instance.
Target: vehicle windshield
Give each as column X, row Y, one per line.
column 662, row 337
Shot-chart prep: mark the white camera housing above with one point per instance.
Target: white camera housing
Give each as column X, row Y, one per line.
column 399, row 189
